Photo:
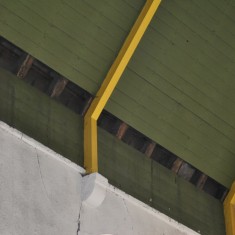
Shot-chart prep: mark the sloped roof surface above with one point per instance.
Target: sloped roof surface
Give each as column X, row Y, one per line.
column 178, row 89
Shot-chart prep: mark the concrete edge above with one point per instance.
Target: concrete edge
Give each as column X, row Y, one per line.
column 99, row 179
column 94, row 190
column 145, row 207
column 35, row 144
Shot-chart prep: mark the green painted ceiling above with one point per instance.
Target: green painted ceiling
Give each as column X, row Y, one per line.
column 178, row 88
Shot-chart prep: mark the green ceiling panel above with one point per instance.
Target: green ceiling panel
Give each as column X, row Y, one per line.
column 79, row 39
column 179, row 86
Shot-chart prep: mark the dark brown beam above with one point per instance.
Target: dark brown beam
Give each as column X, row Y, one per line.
column 122, row 130
column 57, row 86
column 201, row 181
column 25, row 66
column 176, row 165
column 150, row 148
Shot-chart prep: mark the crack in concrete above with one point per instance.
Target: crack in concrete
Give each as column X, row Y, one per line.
column 79, row 217
column 40, row 172
column 125, row 205
column 123, row 200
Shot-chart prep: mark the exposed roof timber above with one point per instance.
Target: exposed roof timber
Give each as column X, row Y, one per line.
column 187, row 106
column 150, row 148
column 229, row 211
column 25, row 66
column 57, row 86
column 176, row 165
column 110, row 82
column 122, row 130
column 202, row 180
column 75, row 98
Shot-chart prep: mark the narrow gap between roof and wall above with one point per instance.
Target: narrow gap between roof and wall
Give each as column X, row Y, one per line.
column 110, row 82
column 59, row 88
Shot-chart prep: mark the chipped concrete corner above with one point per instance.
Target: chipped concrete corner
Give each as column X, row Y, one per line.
column 43, row 193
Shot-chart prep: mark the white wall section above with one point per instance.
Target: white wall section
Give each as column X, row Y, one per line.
column 121, row 214
column 41, row 193
column 39, row 190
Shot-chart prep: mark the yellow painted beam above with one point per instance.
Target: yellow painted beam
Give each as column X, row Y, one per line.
column 110, row 82
column 229, row 211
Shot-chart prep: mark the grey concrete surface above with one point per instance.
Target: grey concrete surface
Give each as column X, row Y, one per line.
column 39, row 191
column 121, row 214
column 42, row 193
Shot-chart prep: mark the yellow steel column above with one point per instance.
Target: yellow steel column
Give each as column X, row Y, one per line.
column 109, row 83
column 229, row 211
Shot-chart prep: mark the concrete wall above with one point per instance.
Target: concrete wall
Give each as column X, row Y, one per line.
column 122, row 214
column 39, row 190
column 43, row 193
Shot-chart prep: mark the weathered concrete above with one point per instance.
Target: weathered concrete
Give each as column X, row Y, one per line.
column 43, row 193
column 39, row 190
column 121, row 214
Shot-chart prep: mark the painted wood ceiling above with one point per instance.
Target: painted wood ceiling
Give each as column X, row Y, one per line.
column 178, row 88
